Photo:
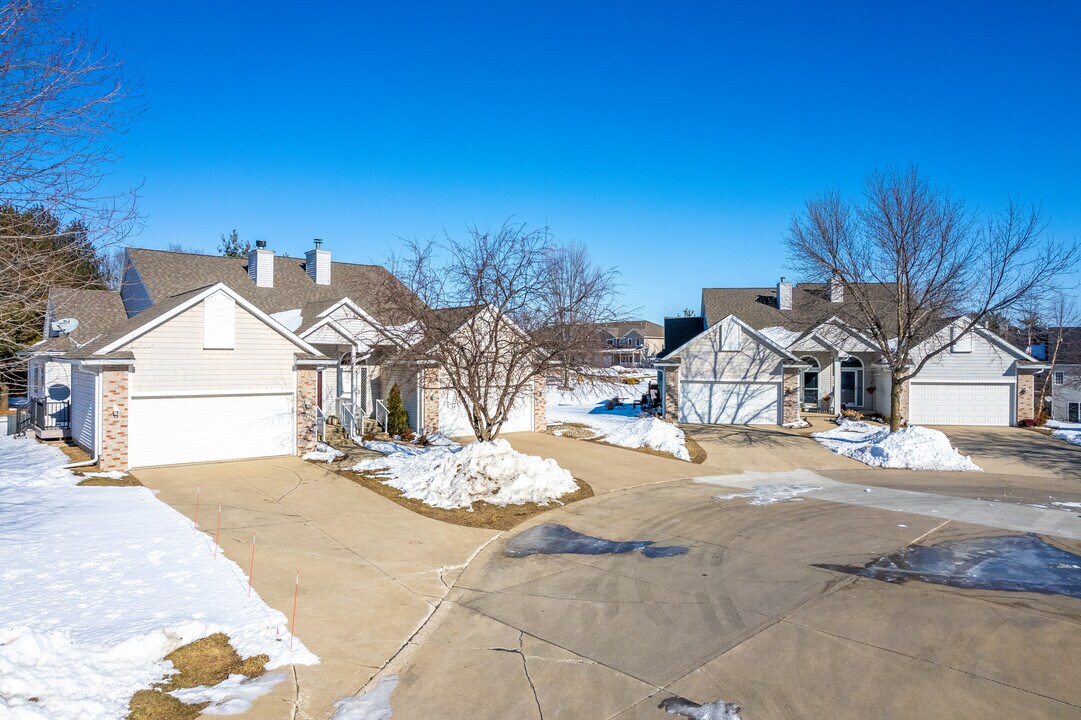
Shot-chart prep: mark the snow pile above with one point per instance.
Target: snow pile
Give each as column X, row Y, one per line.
column 290, row 319
column 110, row 475
column 650, row 432
column 100, row 584
column 231, row 696
column 797, row 424
column 770, row 494
column 912, row 448
column 457, row 476
column 372, row 705
column 716, row 710
column 1070, row 432
column 323, row 453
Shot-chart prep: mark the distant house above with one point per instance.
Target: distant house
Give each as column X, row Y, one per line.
column 631, row 344
column 766, row 355
column 1066, row 373
column 204, row 358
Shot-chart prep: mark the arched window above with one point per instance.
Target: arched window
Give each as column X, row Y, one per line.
column 851, row 382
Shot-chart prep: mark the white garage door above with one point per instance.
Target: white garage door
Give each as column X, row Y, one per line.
column 167, row 431
column 735, row 403
column 951, row 404
column 454, row 421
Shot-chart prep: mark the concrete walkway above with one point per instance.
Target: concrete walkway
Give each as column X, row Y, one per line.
column 371, row 572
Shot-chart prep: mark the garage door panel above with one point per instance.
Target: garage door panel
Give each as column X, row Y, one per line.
column 713, row 403
column 961, row 404
column 167, row 431
column 454, row 420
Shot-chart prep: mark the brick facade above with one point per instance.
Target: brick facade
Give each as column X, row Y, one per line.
column 307, row 404
column 430, row 389
column 113, row 415
column 671, row 392
column 540, row 403
column 790, row 400
column 1026, row 397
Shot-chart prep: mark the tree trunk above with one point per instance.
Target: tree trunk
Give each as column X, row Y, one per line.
column 896, row 383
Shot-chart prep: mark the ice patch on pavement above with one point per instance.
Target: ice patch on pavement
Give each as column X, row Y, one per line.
column 455, row 476
column 323, row 453
column 770, row 494
column 231, row 696
column 911, row 448
column 556, row 539
column 1019, row 563
column 372, row 705
column 716, row 710
column 98, row 585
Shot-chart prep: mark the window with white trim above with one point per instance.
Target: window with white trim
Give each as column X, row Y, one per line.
column 219, row 322
column 1059, row 377
column 1073, row 412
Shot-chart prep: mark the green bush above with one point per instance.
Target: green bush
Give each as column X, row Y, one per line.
column 397, row 418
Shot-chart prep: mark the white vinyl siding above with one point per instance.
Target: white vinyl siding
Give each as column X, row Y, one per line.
column 454, row 420
column 703, row 359
column 985, row 362
column 406, row 379
column 167, row 431
column 961, row 404
column 962, row 344
column 170, row 359
column 219, row 322
column 84, row 408
column 730, row 403
column 1066, row 393
column 132, row 291
column 53, row 381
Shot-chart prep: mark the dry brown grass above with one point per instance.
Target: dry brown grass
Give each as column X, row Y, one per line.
column 697, row 452
column 74, row 452
column 208, row 661
column 483, row 515
column 126, row 481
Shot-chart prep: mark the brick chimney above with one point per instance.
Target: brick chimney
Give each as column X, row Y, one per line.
column 261, row 265
column 317, row 263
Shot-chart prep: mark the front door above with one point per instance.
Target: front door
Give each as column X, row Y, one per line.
column 851, row 387
column 810, row 387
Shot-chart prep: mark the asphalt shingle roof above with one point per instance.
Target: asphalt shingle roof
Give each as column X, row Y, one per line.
column 644, row 327
column 98, row 312
column 166, row 274
column 810, row 305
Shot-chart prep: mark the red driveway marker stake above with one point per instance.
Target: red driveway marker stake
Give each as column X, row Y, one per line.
column 217, row 532
column 251, row 567
column 196, row 523
column 293, row 624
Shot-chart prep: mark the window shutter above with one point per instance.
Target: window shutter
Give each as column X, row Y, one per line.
column 219, row 322
column 960, row 344
column 731, row 337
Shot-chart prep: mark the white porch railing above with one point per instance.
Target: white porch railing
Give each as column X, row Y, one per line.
column 347, row 414
column 381, row 414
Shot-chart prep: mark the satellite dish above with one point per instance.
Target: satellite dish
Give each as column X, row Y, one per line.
column 64, row 326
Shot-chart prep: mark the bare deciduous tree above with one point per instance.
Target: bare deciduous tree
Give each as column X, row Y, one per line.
column 1049, row 320
column 64, row 99
column 909, row 255
column 494, row 311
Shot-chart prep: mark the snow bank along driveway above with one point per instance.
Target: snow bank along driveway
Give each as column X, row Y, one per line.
column 623, row 426
column 99, row 584
column 452, row 476
column 1070, row 432
column 911, row 448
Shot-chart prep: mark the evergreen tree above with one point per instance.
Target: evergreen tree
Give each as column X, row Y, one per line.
column 232, row 246
column 397, row 418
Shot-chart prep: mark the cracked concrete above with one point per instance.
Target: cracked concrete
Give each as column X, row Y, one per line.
column 372, row 572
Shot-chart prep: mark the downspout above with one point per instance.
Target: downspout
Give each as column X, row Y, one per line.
column 837, row 384
column 420, row 401
column 353, row 389
column 97, row 425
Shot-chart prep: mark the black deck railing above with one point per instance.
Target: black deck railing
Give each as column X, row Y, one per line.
column 47, row 414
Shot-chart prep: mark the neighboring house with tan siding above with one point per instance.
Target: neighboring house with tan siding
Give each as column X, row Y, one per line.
column 204, row 358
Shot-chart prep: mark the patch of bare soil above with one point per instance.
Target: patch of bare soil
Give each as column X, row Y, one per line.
column 126, row 481
column 483, row 515
column 73, row 451
column 208, row 661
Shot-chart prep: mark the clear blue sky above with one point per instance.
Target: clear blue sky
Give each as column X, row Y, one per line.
column 675, row 139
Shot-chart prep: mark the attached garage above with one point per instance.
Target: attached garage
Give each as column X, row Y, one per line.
column 454, row 420
column 961, row 404
column 730, row 403
column 171, row 430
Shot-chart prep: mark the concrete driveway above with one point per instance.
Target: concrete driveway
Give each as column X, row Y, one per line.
column 756, row 612
column 371, row 572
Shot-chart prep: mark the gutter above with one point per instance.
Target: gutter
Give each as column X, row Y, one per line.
column 97, row 426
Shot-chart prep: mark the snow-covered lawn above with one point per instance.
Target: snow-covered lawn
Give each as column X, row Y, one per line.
column 98, row 585
column 1070, row 432
column 911, row 448
column 456, row 476
column 584, row 404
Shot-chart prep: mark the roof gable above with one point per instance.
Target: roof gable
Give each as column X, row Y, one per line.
column 717, row 328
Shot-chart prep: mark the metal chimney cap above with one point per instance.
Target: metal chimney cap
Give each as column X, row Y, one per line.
column 260, row 244
column 318, row 243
